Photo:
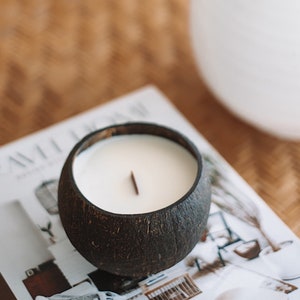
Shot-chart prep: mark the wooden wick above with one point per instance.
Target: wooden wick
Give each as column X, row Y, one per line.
column 134, row 183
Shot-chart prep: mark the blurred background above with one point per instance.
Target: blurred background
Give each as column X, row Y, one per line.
column 60, row 58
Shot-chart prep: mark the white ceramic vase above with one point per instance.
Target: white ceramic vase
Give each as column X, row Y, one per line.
column 248, row 52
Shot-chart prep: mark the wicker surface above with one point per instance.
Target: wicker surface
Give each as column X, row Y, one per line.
column 58, row 58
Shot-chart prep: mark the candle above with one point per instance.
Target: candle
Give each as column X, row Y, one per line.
column 136, row 173
column 134, row 198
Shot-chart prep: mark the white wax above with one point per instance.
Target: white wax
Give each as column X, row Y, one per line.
column 164, row 172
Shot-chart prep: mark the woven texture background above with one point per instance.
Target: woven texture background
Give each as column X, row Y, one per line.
column 59, row 58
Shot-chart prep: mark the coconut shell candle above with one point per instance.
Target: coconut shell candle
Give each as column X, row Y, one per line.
column 134, row 198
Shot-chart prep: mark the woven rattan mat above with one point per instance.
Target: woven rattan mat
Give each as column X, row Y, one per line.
column 59, row 58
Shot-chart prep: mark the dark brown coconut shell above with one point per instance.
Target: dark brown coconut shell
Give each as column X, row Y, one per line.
column 134, row 245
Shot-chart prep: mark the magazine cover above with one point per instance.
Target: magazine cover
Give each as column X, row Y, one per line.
column 246, row 250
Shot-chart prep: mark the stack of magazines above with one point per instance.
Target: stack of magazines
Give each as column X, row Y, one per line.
column 246, row 249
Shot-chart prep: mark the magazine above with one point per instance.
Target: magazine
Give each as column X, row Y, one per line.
column 246, row 248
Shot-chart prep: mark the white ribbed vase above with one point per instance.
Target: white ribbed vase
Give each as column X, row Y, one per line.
column 248, row 52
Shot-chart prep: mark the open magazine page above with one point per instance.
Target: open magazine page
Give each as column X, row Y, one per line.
column 235, row 255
